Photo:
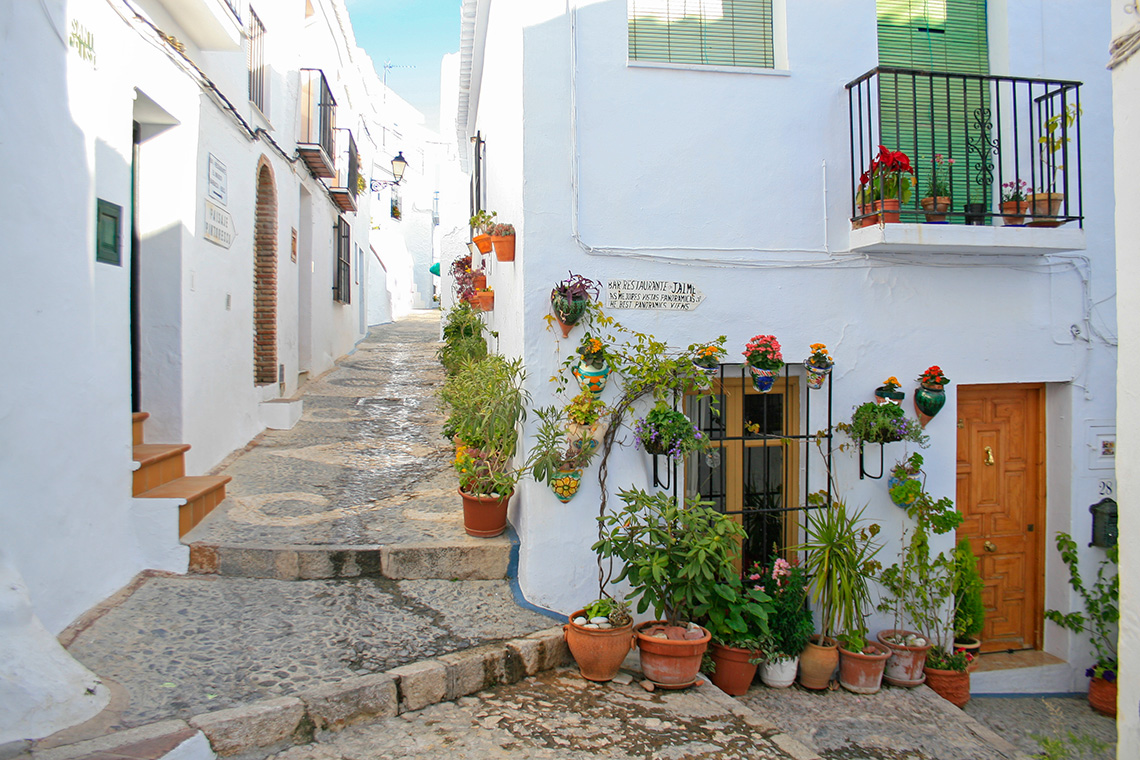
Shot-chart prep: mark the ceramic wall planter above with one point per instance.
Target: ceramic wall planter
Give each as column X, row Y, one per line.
column 734, row 672
column 818, row 662
column 951, row 685
column 929, row 398
column 779, row 674
column 1013, row 212
column 670, row 663
column 862, row 672
column 504, row 247
column 484, row 516
column 886, row 396
column 566, row 485
column 568, row 312
column 905, row 666
column 763, row 379
column 1102, row 696
column 591, row 378
column 892, row 481
column 935, row 208
column 816, row 375
column 486, row 300
column 598, row 652
column 482, row 242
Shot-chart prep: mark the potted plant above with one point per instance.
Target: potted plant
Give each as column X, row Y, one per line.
column 840, row 560
column 463, row 339
column 599, row 637
column 1101, row 601
column 480, row 222
column 1013, row 202
column 976, row 208
column 937, row 200
column 707, row 356
column 675, row 557
column 592, row 371
column 463, row 277
column 485, row 402
column 818, row 366
column 947, row 673
column 789, row 624
column 889, row 392
column 930, row 396
column 883, row 423
column 665, row 431
column 885, row 186
column 585, row 419
column 1046, row 203
column 861, row 662
column 558, row 457
column 503, row 238
column 569, row 299
column 737, row 616
column 969, row 609
column 903, row 484
column 485, row 298
column 764, row 361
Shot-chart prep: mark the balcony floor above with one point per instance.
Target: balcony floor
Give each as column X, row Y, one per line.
column 963, row 239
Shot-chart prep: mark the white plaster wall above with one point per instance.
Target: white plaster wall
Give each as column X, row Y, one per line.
column 758, row 223
column 1126, row 118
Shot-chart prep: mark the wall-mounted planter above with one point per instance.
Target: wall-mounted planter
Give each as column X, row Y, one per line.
column 929, row 398
column 504, row 247
column 482, row 242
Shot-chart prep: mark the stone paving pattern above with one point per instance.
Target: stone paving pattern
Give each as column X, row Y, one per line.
column 1016, row 719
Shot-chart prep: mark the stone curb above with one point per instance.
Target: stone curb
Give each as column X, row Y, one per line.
column 272, row 724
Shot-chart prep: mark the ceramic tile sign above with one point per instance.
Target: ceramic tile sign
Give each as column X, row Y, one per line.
column 217, row 188
column 657, row 295
column 218, row 225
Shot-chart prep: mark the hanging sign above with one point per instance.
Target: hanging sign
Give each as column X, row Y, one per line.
column 218, row 225
column 662, row 295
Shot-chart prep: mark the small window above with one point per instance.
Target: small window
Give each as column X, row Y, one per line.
column 108, row 248
column 397, row 213
column 258, row 89
column 342, row 275
column 702, row 32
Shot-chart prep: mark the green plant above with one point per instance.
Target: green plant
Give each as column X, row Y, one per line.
column 708, row 355
column 616, row 610
column 1069, row 746
column 482, row 220
column 938, row 515
column 763, row 352
column 484, row 472
column 463, row 277
column 674, row 556
column 593, row 351
column 555, row 449
column 1054, row 137
column 463, row 339
column 501, row 230
column 883, row 423
column 840, row 560
column 1014, row 191
column 790, row 624
column 667, row 431
column 1102, row 607
column 585, row 409
column 887, row 177
column 736, row 615
column 485, row 402
column 933, row 375
column 969, row 609
column 943, row 659
column 939, row 186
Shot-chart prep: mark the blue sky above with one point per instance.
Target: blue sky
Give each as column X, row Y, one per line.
column 409, row 33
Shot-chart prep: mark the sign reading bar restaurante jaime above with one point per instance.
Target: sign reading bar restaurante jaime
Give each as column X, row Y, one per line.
column 666, row 295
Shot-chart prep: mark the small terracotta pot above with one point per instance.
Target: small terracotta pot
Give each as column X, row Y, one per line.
column 862, row 672
column 504, row 247
column 951, row 685
column 1102, row 696
column 935, row 208
column 890, row 209
column 486, row 299
column 1013, row 212
column 479, row 281
column 484, row 516
column 905, row 665
column 598, row 652
column 734, row 672
column 669, row 663
column 1045, row 207
column 818, row 662
column 482, row 242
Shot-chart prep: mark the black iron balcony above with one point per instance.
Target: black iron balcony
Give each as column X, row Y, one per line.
column 346, row 185
column 984, row 150
column 317, row 122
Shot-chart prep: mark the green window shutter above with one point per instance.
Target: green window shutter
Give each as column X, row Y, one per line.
column 706, row 32
column 108, row 247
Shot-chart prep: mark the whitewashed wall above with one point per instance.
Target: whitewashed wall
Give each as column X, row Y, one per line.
column 737, row 182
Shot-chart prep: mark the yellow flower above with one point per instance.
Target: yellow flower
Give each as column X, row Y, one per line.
column 818, row 346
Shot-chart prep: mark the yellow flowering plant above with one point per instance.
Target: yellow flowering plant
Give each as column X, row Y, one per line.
column 708, row 355
column 592, row 351
column 820, row 358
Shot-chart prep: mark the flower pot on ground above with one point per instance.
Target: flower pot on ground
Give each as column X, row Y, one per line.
column 935, row 208
column 907, row 661
column 734, row 668
column 765, row 360
column 861, row 664
column 818, row 662
column 1102, row 696
column 670, row 655
column 779, row 672
column 484, row 516
column 951, row 685
column 818, row 366
column 482, row 242
column 503, row 238
column 599, row 637
column 570, row 298
column 790, row 623
column 737, row 616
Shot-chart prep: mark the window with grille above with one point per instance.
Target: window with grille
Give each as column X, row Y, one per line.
column 258, row 87
column 704, row 32
column 342, row 275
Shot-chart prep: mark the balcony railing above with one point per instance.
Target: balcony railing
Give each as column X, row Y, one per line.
column 345, row 186
column 318, row 122
column 1000, row 133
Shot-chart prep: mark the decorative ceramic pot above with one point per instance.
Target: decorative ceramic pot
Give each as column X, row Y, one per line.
column 935, row 208
column 482, row 242
column 567, row 311
column 862, row 672
column 818, row 662
column 589, row 436
column 484, row 516
column 504, row 247
column 763, row 379
column 779, row 674
column 1102, row 696
column 598, row 651
column 707, row 370
column 929, row 399
column 892, row 481
column 951, row 685
column 670, row 663
column 816, row 375
column 1013, row 212
column 905, row 665
column 566, row 485
column 883, row 396
column 591, row 378
column 734, row 672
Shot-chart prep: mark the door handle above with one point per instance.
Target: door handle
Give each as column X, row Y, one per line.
column 989, row 546
column 989, row 462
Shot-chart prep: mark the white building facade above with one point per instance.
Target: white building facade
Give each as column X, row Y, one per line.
column 620, row 164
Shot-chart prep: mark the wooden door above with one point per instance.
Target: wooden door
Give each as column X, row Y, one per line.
column 1001, row 494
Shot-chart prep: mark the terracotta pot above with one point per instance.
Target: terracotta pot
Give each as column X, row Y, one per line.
column 1102, row 696
column 779, row 674
column 818, row 662
column 935, row 208
column 482, row 242
column 598, row 652
column 971, row 646
column 668, row 663
column 1013, row 212
column 479, row 281
column 1045, row 207
column 890, row 209
column 905, row 665
column 951, row 685
column 504, row 247
column 734, row 672
column 862, row 672
column 484, row 516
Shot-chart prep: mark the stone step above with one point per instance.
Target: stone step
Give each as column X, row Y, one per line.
column 137, row 420
column 200, row 494
column 159, row 463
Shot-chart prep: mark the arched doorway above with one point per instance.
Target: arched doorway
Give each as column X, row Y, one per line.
column 265, row 277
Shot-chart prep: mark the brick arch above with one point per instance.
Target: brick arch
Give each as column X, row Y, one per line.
column 265, row 276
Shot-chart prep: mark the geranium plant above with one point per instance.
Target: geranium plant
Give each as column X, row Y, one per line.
column 939, row 185
column 933, row 376
column 887, row 177
column 763, row 352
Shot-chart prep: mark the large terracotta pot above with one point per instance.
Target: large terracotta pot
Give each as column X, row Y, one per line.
column 779, row 674
column 734, row 672
column 598, row 652
column 504, row 247
column 484, row 516
column 818, row 662
column 1102, row 696
column 951, row 685
column 905, row 665
column 669, row 663
column 862, row 672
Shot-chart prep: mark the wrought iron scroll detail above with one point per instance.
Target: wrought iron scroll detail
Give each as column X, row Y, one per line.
column 983, row 146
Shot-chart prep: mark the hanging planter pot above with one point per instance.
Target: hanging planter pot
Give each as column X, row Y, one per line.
column 591, row 378
column 889, row 392
column 816, row 375
column 763, row 379
column 503, row 238
column 928, row 401
column 482, row 242
column 486, row 300
column 892, row 481
column 570, row 298
column 565, row 486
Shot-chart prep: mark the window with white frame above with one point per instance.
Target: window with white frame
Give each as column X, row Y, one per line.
column 702, row 32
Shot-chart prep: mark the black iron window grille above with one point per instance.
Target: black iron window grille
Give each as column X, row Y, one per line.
column 258, row 87
column 1004, row 134
column 318, row 112
column 342, row 275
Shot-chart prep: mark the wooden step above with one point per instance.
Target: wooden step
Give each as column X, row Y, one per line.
column 137, row 420
column 158, row 463
column 200, row 493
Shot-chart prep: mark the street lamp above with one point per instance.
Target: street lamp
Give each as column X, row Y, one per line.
column 399, row 164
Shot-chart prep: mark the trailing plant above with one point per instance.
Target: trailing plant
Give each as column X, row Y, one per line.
column 938, row 515
column 789, row 624
column 969, row 609
column 667, row 431
column 883, row 423
column 482, row 220
column 463, row 278
column 585, row 409
column 555, row 449
column 1101, row 601
column 675, row 556
column 576, row 288
column 463, row 339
